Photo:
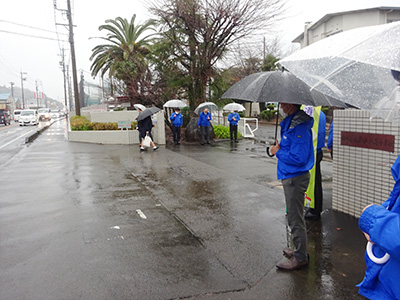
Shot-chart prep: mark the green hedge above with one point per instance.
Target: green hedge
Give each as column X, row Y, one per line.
column 222, row 132
column 79, row 123
column 268, row 114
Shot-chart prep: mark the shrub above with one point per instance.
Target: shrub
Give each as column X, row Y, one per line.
column 81, row 123
column 222, row 132
column 267, row 114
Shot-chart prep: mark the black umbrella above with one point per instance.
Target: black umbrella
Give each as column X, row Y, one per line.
column 147, row 112
column 278, row 86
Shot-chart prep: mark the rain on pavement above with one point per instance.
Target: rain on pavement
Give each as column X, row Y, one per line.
column 85, row 221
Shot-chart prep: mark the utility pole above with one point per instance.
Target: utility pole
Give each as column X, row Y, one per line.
column 22, row 88
column 74, row 75
column 37, row 94
column 12, row 89
column 69, row 89
column 65, row 83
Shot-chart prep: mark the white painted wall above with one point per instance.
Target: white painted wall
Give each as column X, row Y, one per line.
column 361, row 176
column 118, row 136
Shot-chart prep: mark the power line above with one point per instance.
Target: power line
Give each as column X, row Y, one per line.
column 46, row 30
column 33, row 36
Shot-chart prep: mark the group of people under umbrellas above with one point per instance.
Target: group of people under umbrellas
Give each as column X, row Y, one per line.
column 295, row 150
column 356, row 67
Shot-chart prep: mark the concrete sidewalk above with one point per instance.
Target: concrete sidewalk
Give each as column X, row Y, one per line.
column 182, row 222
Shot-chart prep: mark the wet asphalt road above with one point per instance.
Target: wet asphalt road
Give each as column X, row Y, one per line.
column 83, row 221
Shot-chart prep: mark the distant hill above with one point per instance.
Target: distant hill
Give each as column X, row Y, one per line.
column 28, row 94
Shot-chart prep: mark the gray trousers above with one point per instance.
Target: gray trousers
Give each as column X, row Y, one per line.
column 294, row 189
column 205, row 134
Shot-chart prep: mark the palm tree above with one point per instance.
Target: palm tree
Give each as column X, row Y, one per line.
column 125, row 56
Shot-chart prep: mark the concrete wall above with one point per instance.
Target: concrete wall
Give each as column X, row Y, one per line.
column 118, row 136
column 362, row 176
column 114, row 116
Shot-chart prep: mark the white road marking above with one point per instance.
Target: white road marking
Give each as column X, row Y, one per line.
column 141, row 214
column 17, row 138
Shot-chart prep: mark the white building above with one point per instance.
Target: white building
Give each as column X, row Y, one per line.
column 335, row 23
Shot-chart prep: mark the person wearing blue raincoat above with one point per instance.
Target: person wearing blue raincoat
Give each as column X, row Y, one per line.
column 381, row 226
column 177, row 122
column 204, row 125
column 295, row 153
column 233, row 120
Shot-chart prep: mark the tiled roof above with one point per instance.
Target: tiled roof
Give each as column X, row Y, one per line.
column 4, row 96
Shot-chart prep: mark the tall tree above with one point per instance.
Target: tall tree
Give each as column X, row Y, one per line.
column 124, row 57
column 201, row 32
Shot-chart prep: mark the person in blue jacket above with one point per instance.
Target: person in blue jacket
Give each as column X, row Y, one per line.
column 295, row 154
column 233, row 120
column 204, row 125
column 177, row 122
column 380, row 224
column 315, row 213
column 329, row 143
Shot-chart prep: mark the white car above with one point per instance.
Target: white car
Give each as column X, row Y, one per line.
column 28, row 117
column 17, row 112
column 54, row 114
column 44, row 114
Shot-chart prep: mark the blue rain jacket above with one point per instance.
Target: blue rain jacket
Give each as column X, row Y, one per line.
column 321, row 131
column 203, row 119
column 233, row 115
column 329, row 143
column 382, row 223
column 177, row 119
column 296, row 153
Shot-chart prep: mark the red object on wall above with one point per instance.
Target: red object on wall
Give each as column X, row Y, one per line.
column 384, row 142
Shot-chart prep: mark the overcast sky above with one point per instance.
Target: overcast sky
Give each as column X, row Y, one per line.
column 39, row 58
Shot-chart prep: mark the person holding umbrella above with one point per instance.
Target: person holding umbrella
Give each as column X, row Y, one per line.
column 295, row 154
column 145, row 124
column 204, row 125
column 233, row 120
column 177, row 122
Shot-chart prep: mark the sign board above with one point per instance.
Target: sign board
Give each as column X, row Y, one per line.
column 124, row 124
column 384, row 142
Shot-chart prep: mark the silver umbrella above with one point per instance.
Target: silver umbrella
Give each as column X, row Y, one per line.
column 174, row 103
column 234, row 106
column 209, row 105
column 147, row 112
column 139, row 106
column 356, row 66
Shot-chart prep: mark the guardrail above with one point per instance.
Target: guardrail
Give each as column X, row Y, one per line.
column 248, row 131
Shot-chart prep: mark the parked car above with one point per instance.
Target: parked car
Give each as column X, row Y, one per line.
column 17, row 112
column 28, row 117
column 54, row 114
column 5, row 117
column 44, row 114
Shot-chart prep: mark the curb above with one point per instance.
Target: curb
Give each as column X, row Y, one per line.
column 34, row 135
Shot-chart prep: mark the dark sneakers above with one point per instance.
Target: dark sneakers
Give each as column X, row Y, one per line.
column 291, row 264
